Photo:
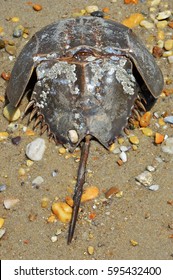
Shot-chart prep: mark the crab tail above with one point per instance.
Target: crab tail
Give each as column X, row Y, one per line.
column 79, row 186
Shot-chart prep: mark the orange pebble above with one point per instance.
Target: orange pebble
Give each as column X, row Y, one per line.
column 105, row 10
column 92, row 216
column 130, row 1
column 145, row 119
column 158, row 138
column 133, row 20
column 89, row 193
column 5, row 76
column 63, row 211
column 69, row 201
column 37, row 7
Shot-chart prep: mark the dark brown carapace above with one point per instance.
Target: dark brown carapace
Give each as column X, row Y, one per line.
column 92, row 76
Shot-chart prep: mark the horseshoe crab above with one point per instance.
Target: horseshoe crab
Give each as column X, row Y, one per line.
column 90, row 77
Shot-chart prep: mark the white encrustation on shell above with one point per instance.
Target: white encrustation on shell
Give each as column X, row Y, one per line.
column 35, row 150
column 145, row 178
column 73, row 136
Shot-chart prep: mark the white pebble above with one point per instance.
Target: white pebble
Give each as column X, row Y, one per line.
column 10, row 202
column 168, row 147
column 54, row 238
column 123, row 156
column 154, row 187
column 146, row 24
column 168, row 119
column 36, row 149
column 37, row 181
column 164, row 15
column 170, row 59
column 150, row 168
column 116, row 151
column 145, row 178
column 91, row 9
column 124, row 148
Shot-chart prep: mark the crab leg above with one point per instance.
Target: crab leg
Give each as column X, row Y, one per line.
column 79, row 186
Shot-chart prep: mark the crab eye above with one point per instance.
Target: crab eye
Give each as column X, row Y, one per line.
column 82, row 54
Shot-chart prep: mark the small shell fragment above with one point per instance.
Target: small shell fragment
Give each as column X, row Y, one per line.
column 11, row 113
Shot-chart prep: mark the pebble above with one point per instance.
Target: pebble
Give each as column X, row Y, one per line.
column 97, row 14
column 37, row 181
column 168, row 45
column 18, row 31
column 168, row 53
column 168, row 119
column 162, row 24
column 150, row 168
column 63, row 211
column 157, row 51
column 2, row 232
column 90, row 193
column 29, row 162
column 3, row 188
column 1, row 222
column 15, row 19
column 10, row 203
column 145, row 119
column 170, row 59
column 163, row 15
column 73, row 136
column 11, row 113
column 37, row 7
column 54, row 238
column 123, row 156
column 3, row 135
column 62, row 150
column 35, row 150
column 134, row 140
column 44, row 202
column 159, row 138
column 54, row 173
column 147, row 131
column 154, row 187
column 133, row 20
column 16, row 140
column 124, row 148
column 91, row 9
column 147, row 24
column 168, row 147
column 11, row 49
column 111, row 191
column 145, row 178
column 5, row 75
column 90, row 250
column 21, row 172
